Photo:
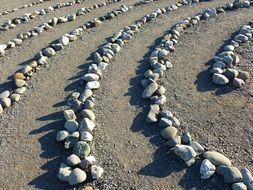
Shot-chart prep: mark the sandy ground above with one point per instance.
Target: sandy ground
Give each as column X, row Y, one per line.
column 131, row 152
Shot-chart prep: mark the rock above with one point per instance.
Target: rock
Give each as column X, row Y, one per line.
column 238, row 82
column 82, row 149
column 20, row 90
column 219, row 79
column 1, row 109
column 166, row 114
column 64, row 172
column 96, row 172
column 185, row 152
column 197, row 147
column 49, row 52
column 219, row 64
column 77, row 176
column 247, row 178
column 207, row 169
column 169, row 132
column 71, row 125
column 88, row 188
column 175, row 122
column 19, row 83
column 15, row 97
column 64, row 40
column 186, row 137
column 231, row 73
column 152, row 115
column 230, row 174
column 173, row 142
column 27, row 69
column 86, row 125
column 73, row 160
column 85, row 94
column 69, row 114
column 61, row 135
column 149, row 90
column 164, row 122
column 92, row 85
column 71, row 140
column 86, row 136
column 6, row 102
column 244, row 75
column 160, row 91
column 88, row 104
column 161, row 100
column 217, row 158
column 4, row 94
column 20, row 76
column 239, row 186
column 241, row 38
column 88, row 114
column 229, row 48
column 87, row 162
column 90, row 77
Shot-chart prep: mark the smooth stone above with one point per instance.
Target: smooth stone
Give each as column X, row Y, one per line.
column 88, row 104
column 238, row 82
column 61, row 135
column 197, row 147
column 161, row 100
column 4, row 94
column 93, row 85
column 230, row 174
column 20, row 76
column 19, row 83
column 82, row 149
column 149, row 90
column 186, row 137
column 244, row 75
column 169, row 132
column 6, row 102
column 241, row 38
column 77, row 176
column 64, row 40
column 96, row 172
column 69, row 114
column 166, row 114
column 247, row 178
column 88, row 114
column 86, row 136
column 1, row 109
column 217, row 158
column 90, row 77
column 173, row 142
column 27, row 69
column 219, row 79
column 239, row 186
column 15, row 97
column 85, row 94
column 86, row 125
column 219, row 64
column 49, row 52
column 229, row 48
column 64, row 172
column 185, row 152
column 73, row 160
column 71, row 125
column 20, row 90
column 160, row 91
column 175, row 122
column 207, row 169
column 87, row 162
column 71, row 140
column 164, row 122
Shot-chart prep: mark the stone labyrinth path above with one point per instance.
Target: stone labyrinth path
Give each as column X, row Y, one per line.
column 126, row 94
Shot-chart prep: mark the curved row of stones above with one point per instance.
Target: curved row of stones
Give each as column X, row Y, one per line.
column 224, row 68
column 22, row 76
column 21, row 37
column 12, row 23
column 184, row 146
column 23, row 7
column 79, row 135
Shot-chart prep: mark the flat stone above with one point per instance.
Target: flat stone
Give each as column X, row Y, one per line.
column 86, row 125
column 166, row 114
column 239, row 186
column 82, row 149
column 149, row 90
column 96, row 172
column 88, row 104
column 217, row 158
column 27, row 69
column 77, row 176
column 64, row 172
column 61, row 135
column 230, row 174
column 73, row 160
column 88, row 114
column 207, row 169
column 169, row 132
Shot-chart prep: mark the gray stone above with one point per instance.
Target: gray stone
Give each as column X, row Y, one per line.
column 207, row 169
column 82, row 149
column 88, row 104
column 238, row 82
column 244, row 75
column 90, row 77
column 19, row 83
column 73, row 160
column 77, row 176
column 239, row 186
column 87, row 162
column 160, row 91
column 164, row 122
column 230, row 174
column 49, row 52
column 152, row 115
column 86, row 125
column 169, row 132
column 229, row 48
column 149, row 90
column 175, row 122
column 69, row 114
column 219, row 64
column 64, row 172
column 96, row 172
column 1, row 109
column 88, row 114
column 61, row 135
column 173, row 142
column 231, row 73
column 71, row 125
column 197, row 147
column 92, row 85
column 185, row 152
column 71, row 140
column 85, row 94
column 86, row 136
column 241, row 38
column 166, row 114
column 186, row 137
column 219, row 79
column 15, row 97
column 217, row 158
column 6, row 102
column 247, row 178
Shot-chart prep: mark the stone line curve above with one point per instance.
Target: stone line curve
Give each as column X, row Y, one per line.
column 78, row 135
column 23, row 7
column 22, row 76
column 184, row 147
column 21, row 37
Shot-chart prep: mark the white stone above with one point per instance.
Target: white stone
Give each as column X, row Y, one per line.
column 207, row 169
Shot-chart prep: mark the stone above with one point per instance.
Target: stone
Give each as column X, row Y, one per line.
column 166, row 114
column 1, row 109
column 175, row 122
column 219, row 64
column 19, row 83
column 69, row 114
column 185, row 152
column 229, row 48
column 149, row 90
column 239, row 186
column 169, row 132
column 96, row 172
column 219, row 79
column 231, row 73
column 15, row 97
column 71, row 125
column 164, row 122
column 90, row 77
column 173, row 142
column 241, row 38
column 20, row 76
column 77, row 176
column 93, row 85
column 86, row 125
column 82, row 149
column 197, row 147
column 88, row 104
column 217, row 158
column 88, row 188
column 88, row 114
column 161, row 100
column 186, row 137
column 61, row 135
column 49, row 52
column 71, row 140
column 64, row 40
column 87, row 162
column 20, row 90
column 4, row 94
column 247, row 178
column 207, row 169
column 64, row 172
column 85, row 94
column 27, row 69
column 73, row 160
column 244, row 75
column 152, row 115
column 6, row 102
column 238, row 82
column 86, row 136
column 230, row 174
column 160, row 91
